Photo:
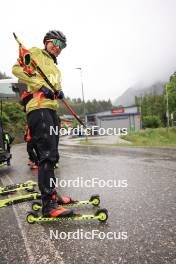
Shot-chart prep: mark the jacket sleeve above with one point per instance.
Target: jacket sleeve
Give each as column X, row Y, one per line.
column 58, row 85
column 35, row 82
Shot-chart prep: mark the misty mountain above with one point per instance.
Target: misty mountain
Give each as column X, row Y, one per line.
column 128, row 97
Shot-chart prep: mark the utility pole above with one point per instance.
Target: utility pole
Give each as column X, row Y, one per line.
column 82, row 89
column 140, row 110
column 167, row 105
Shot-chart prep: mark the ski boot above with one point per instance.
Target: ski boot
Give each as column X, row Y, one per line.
column 30, row 163
column 52, row 209
column 34, row 167
column 62, row 200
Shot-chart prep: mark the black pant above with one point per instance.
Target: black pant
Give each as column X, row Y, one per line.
column 32, row 152
column 43, row 125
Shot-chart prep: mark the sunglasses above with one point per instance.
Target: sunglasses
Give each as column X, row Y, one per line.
column 58, row 43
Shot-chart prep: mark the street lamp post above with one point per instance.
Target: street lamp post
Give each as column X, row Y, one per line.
column 82, row 88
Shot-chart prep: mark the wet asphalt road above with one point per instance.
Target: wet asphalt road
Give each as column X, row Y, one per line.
column 143, row 212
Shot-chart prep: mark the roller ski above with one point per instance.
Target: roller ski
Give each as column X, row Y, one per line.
column 101, row 215
column 54, row 212
column 68, row 202
column 28, row 186
column 19, row 199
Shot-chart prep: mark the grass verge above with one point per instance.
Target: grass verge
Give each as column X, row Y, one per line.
column 156, row 137
column 152, row 137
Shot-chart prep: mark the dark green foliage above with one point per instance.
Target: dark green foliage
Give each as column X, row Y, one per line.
column 152, row 106
column 151, row 121
column 90, row 106
column 14, row 120
column 75, row 123
column 4, row 118
column 171, row 91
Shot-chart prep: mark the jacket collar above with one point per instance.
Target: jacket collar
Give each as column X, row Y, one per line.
column 50, row 55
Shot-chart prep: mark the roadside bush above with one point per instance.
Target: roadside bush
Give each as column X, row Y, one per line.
column 14, row 120
column 151, row 121
column 4, row 118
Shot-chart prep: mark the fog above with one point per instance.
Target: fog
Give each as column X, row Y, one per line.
column 117, row 43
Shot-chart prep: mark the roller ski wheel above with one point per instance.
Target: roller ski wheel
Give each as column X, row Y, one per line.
column 30, row 218
column 31, row 185
column 56, row 166
column 36, row 206
column 95, row 200
column 102, row 215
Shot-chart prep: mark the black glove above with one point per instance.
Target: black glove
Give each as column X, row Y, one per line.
column 47, row 92
column 59, row 94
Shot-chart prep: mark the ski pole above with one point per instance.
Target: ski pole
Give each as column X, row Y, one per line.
column 26, row 57
column 73, row 113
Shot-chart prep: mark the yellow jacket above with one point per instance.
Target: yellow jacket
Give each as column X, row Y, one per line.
column 46, row 63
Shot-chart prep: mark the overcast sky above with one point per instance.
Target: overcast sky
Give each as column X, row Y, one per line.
column 117, row 43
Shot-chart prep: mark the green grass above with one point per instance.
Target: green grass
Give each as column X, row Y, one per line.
column 87, row 142
column 156, row 137
column 152, row 137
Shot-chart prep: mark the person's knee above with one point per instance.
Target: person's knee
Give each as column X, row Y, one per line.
column 46, row 165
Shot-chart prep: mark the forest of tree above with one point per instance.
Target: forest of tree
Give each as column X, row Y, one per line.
column 14, row 118
column 90, row 106
column 153, row 107
column 3, row 76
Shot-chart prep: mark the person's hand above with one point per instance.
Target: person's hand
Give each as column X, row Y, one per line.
column 47, row 92
column 59, row 94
